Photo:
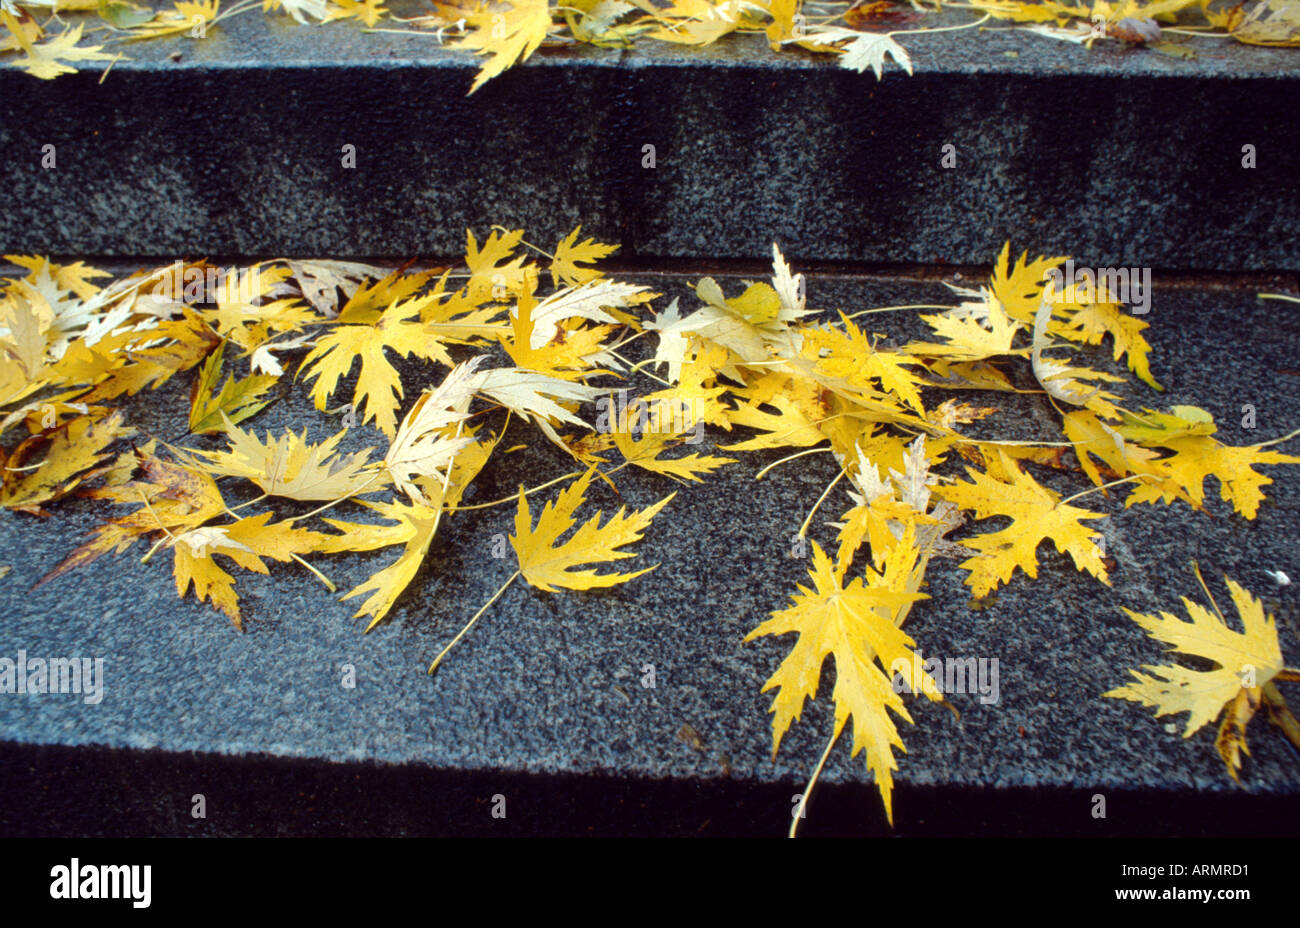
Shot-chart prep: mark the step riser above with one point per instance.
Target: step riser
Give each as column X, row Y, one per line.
column 248, row 160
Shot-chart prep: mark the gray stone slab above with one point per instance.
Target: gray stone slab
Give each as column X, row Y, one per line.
column 235, row 149
column 549, row 685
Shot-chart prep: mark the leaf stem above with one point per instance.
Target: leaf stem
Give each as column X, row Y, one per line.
column 803, row 529
column 820, row 448
column 1195, row 31
column 1278, row 441
column 628, row 341
column 144, row 499
column 615, row 354
column 522, row 241
column 156, row 545
column 890, row 309
column 515, row 496
column 985, row 18
column 1196, row 569
column 319, row 576
column 636, row 369
column 334, row 502
column 1104, row 486
column 468, row 625
column 962, row 440
column 812, row 781
column 257, row 499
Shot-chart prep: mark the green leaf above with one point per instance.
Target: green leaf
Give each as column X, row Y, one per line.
column 238, row 399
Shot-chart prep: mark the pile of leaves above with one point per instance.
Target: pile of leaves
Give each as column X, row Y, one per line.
column 860, row 34
column 509, row 339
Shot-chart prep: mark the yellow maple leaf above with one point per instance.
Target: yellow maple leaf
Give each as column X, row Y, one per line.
column 10, row 41
column 782, row 26
column 300, row 10
column 1019, row 287
column 759, row 305
column 1155, row 428
column 886, row 504
column 172, row 498
column 139, row 363
column 968, row 375
column 569, row 254
column 540, row 341
column 495, row 271
column 873, row 521
column 470, row 461
column 379, row 388
column 245, row 318
column 795, row 421
column 47, row 60
column 1091, row 322
column 855, row 440
column 176, row 501
column 850, row 356
column 1141, row 9
column 1077, row 385
column 290, row 466
column 318, row 281
column 1094, row 439
column 1041, row 12
column 645, row 453
column 1036, row 514
column 1192, row 459
column 857, row 625
column 71, row 452
column 971, row 335
column 506, row 33
column 548, row 564
column 27, row 335
column 416, row 525
column 245, row 541
column 1185, row 432
column 1228, row 17
column 696, row 389
column 75, row 277
column 698, row 22
column 368, row 301
column 1061, row 380
column 720, row 325
column 367, row 11
column 455, row 319
column 1246, row 663
column 431, row 435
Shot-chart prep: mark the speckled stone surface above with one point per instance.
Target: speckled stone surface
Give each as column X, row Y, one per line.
column 550, row 685
column 1117, row 155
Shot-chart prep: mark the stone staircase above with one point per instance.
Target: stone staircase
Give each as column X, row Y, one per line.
column 696, row 161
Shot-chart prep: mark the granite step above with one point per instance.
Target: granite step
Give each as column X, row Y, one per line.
column 546, row 702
